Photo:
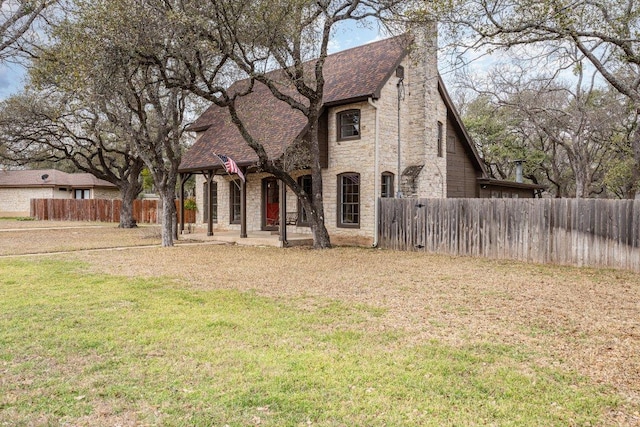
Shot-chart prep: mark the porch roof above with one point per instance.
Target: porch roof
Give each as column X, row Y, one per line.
column 351, row 75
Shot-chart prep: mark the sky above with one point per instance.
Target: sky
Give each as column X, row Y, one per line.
column 12, row 76
column 11, row 79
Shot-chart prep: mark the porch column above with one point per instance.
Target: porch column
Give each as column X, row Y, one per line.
column 243, row 205
column 283, row 212
column 182, row 181
column 181, row 184
column 209, row 176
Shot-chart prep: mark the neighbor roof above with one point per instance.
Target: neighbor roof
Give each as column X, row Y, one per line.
column 50, row 178
column 350, row 76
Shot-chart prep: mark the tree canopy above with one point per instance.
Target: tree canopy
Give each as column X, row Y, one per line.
column 560, row 33
column 17, row 19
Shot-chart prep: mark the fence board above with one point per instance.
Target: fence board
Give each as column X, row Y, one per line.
column 103, row 210
column 582, row 232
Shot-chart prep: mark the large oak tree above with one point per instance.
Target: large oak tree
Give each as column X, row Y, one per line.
column 91, row 53
column 222, row 40
column 49, row 126
column 17, row 19
column 604, row 32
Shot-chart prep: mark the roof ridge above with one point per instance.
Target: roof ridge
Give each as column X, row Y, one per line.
column 367, row 44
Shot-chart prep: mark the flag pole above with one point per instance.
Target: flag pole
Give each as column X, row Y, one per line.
column 225, row 169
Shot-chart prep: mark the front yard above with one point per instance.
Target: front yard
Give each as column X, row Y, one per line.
column 225, row 335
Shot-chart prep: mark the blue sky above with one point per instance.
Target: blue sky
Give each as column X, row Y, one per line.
column 11, row 79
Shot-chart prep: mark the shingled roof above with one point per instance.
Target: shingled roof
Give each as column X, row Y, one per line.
column 45, row 178
column 350, row 76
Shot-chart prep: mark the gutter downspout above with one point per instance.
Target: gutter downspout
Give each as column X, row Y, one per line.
column 400, row 86
column 376, row 173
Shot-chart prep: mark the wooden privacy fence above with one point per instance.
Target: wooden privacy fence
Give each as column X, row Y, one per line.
column 103, row 210
column 582, row 232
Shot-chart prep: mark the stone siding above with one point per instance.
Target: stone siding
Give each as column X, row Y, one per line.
column 427, row 109
column 105, row 193
column 421, row 109
column 16, row 201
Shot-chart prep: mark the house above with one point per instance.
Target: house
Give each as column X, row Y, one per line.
column 388, row 129
column 18, row 187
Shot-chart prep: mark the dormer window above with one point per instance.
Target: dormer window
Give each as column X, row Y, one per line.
column 348, row 125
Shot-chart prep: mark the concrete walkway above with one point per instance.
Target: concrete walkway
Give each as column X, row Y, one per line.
column 254, row 238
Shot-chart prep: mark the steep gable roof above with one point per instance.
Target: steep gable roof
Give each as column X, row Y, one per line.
column 467, row 141
column 351, row 75
column 49, row 178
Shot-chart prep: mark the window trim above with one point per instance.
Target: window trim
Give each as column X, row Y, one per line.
column 339, row 116
column 340, row 203
column 205, row 202
column 233, row 188
column 300, row 221
column 83, row 192
column 391, row 185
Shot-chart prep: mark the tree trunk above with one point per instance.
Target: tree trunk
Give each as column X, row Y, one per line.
column 126, row 211
column 129, row 193
column 168, row 216
column 582, row 182
column 635, row 173
column 321, row 239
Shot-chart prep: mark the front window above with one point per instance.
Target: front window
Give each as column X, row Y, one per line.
column 348, row 125
column 386, row 189
column 304, row 182
column 80, row 193
column 349, row 200
column 234, row 202
column 214, row 202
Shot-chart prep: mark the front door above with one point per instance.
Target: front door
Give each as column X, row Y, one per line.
column 270, row 204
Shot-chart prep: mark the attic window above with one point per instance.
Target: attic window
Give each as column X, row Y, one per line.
column 348, row 125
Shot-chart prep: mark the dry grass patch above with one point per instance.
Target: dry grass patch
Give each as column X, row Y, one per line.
column 563, row 318
column 29, row 223
column 28, row 237
column 582, row 319
column 94, row 350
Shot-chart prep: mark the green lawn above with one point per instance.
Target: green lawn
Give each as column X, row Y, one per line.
column 86, row 349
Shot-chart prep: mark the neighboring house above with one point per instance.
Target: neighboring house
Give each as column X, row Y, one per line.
column 388, row 122
column 18, row 187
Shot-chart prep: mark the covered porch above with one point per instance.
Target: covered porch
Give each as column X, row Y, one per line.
column 226, row 197
column 253, row 238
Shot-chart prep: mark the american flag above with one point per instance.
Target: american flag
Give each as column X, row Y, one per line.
column 230, row 165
